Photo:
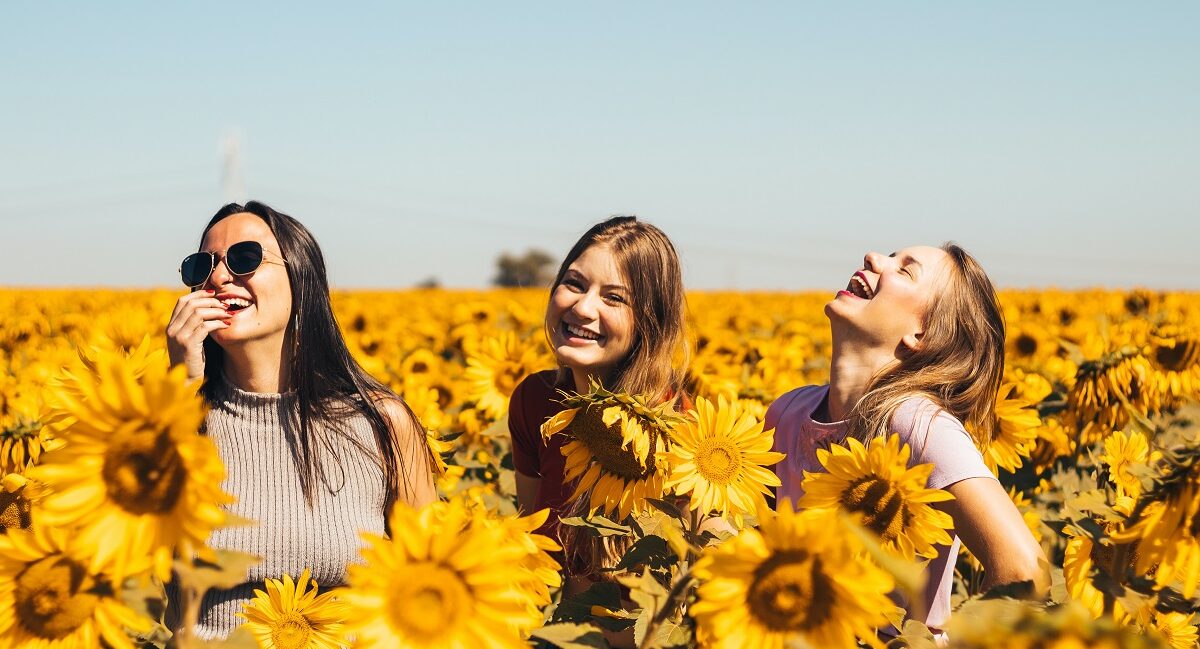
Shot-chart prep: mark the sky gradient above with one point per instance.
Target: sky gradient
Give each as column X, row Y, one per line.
column 774, row 142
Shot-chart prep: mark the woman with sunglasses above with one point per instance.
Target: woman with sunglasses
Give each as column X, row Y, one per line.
column 315, row 449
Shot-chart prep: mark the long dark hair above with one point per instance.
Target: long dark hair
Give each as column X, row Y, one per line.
column 324, row 376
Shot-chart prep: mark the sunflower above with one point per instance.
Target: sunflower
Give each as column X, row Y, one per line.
column 291, row 616
column 494, row 370
column 51, row 597
column 1082, row 558
column 1176, row 629
column 23, row 434
column 456, row 578
column 718, row 457
column 1171, row 541
column 1122, row 451
column 875, row 483
column 1017, row 432
column 1174, row 353
column 797, row 576
column 1117, row 379
column 134, row 475
column 614, row 449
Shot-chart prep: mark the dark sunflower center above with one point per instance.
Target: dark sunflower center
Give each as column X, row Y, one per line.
column 143, row 471
column 1026, row 345
column 14, row 511
column 604, row 442
column 507, row 375
column 791, row 592
column 881, row 505
column 1177, row 357
column 53, row 597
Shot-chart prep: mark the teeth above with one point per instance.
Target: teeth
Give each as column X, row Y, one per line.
column 581, row 333
column 235, row 301
column 860, row 287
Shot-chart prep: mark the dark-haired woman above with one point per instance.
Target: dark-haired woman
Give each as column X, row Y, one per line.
column 315, row 449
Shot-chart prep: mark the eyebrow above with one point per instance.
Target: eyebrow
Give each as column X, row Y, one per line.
column 607, row 287
column 909, row 260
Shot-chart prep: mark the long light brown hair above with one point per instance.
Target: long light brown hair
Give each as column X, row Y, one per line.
column 655, row 364
column 958, row 364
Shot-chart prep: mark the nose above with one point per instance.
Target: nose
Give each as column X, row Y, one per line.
column 585, row 307
column 220, row 274
column 874, row 261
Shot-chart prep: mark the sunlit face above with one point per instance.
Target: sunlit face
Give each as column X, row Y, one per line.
column 259, row 303
column 589, row 316
column 887, row 300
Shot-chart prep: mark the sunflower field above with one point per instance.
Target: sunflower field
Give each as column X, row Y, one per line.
column 107, row 491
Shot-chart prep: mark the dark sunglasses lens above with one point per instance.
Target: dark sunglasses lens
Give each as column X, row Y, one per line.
column 195, row 268
column 244, row 257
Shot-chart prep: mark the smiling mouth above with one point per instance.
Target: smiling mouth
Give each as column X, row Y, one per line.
column 235, row 304
column 571, row 331
column 858, row 287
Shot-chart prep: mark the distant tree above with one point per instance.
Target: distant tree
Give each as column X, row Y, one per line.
column 430, row 282
column 534, row 268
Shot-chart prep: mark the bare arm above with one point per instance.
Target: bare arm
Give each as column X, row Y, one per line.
column 990, row 525
column 415, row 461
column 527, row 488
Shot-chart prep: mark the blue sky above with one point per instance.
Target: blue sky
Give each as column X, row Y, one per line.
column 774, row 142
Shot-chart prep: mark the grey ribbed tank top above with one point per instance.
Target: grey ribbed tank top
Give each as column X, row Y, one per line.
column 256, row 435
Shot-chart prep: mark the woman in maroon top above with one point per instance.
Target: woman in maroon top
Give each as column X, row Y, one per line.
column 616, row 314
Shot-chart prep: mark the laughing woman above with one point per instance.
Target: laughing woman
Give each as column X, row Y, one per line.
column 918, row 350
column 315, row 450
column 616, row 314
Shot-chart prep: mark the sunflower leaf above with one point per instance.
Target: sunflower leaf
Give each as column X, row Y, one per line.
column 228, row 571
column 665, row 507
column 572, row 636
column 652, row 551
column 599, row 525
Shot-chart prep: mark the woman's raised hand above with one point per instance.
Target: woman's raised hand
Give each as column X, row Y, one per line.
column 196, row 315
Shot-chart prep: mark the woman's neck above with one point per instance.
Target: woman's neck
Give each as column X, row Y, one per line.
column 258, row 368
column 582, row 379
column 850, row 373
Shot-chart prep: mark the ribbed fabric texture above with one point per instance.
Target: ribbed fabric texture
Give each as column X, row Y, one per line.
column 257, row 437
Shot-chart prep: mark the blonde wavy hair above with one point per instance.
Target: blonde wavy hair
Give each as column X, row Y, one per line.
column 959, row 363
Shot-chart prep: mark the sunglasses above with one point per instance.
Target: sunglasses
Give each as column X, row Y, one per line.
column 241, row 258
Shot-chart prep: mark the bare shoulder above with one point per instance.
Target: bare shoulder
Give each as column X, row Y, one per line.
column 397, row 414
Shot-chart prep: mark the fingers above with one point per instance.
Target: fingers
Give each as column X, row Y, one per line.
column 192, row 311
column 184, row 300
column 201, row 332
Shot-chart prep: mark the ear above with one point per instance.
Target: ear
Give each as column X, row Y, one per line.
column 912, row 342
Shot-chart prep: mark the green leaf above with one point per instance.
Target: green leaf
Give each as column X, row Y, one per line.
column 915, row 635
column 651, row 596
column 229, row 570
column 599, row 525
column 651, row 551
column 665, row 507
column 578, row 607
column 572, row 636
